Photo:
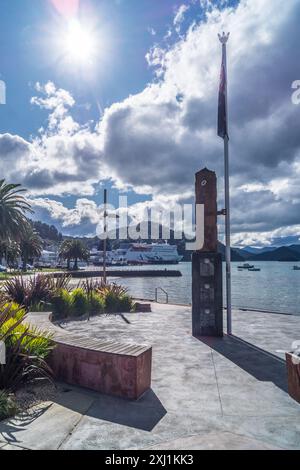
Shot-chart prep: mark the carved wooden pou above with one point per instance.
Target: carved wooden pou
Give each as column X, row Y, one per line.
column 207, row 295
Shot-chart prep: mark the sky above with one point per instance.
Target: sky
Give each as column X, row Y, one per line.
column 133, row 108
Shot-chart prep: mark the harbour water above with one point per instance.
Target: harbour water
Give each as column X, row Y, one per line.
column 275, row 288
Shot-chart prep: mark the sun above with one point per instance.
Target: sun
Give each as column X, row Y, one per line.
column 79, row 43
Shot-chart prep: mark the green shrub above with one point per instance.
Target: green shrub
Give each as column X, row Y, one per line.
column 126, row 304
column 80, row 302
column 116, row 304
column 62, row 303
column 41, row 307
column 30, row 339
column 26, row 350
column 112, row 303
column 31, row 291
column 17, row 290
column 116, row 298
column 8, row 406
column 14, row 310
column 96, row 304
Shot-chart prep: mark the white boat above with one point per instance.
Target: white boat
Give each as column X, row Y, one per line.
column 155, row 253
column 119, row 257
column 246, row 266
column 97, row 258
column 138, row 254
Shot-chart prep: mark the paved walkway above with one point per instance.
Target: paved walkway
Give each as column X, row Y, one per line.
column 207, row 394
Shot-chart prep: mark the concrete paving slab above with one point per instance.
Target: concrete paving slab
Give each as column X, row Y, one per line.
column 214, row 441
column 203, row 399
column 92, row 434
column 256, row 399
column 282, row 432
column 46, row 426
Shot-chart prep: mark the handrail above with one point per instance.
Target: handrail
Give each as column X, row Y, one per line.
column 164, row 291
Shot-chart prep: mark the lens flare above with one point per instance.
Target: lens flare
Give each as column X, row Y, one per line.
column 67, row 8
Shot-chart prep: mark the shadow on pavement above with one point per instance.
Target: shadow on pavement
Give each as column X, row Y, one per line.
column 143, row 414
column 261, row 364
column 9, row 428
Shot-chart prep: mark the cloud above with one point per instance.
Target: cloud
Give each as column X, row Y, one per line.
column 179, row 16
column 168, row 131
column 151, row 31
column 81, row 219
column 154, row 141
column 64, row 158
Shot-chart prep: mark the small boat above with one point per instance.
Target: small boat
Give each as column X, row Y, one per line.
column 296, row 268
column 246, row 266
column 254, row 269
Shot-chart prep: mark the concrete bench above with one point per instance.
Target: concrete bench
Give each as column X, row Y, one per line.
column 108, row 367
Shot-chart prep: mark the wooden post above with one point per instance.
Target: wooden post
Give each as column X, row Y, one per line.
column 206, row 194
column 207, row 294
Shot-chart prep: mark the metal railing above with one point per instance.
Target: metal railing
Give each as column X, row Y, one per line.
column 162, row 290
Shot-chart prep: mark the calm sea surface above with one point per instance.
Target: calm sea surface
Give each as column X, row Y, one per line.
column 275, row 288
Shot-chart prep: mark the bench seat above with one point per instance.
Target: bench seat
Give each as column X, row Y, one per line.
column 105, row 366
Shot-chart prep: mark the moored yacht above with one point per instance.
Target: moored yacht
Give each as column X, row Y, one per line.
column 246, row 266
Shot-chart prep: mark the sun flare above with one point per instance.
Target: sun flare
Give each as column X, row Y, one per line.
column 79, row 43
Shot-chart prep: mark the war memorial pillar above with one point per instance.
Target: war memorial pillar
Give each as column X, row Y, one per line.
column 207, row 294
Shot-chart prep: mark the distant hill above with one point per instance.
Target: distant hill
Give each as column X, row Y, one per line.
column 283, row 253
column 235, row 253
column 48, row 233
column 256, row 251
column 295, row 248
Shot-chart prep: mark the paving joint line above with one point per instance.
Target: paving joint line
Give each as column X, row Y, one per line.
column 216, row 376
column 65, row 439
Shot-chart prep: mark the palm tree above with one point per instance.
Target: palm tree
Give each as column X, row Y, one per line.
column 65, row 252
column 31, row 245
column 73, row 250
column 13, row 207
column 10, row 251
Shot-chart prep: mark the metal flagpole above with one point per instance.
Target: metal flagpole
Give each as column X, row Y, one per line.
column 223, row 40
column 105, row 235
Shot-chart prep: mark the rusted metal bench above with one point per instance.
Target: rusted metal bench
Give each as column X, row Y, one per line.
column 108, row 367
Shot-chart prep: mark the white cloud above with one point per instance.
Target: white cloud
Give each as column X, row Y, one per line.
column 154, row 141
column 64, row 158
column 81, row 219
column 179, row 16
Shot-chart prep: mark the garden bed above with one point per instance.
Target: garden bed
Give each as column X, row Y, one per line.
column 29, row 345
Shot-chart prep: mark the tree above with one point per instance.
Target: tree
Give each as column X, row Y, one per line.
column 73, row 250
column 47, row 232
column 65, row 252
column 10, row 250
column 13, row 209
column 31, row 245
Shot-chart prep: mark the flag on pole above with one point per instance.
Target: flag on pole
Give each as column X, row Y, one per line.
column 222, row 108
